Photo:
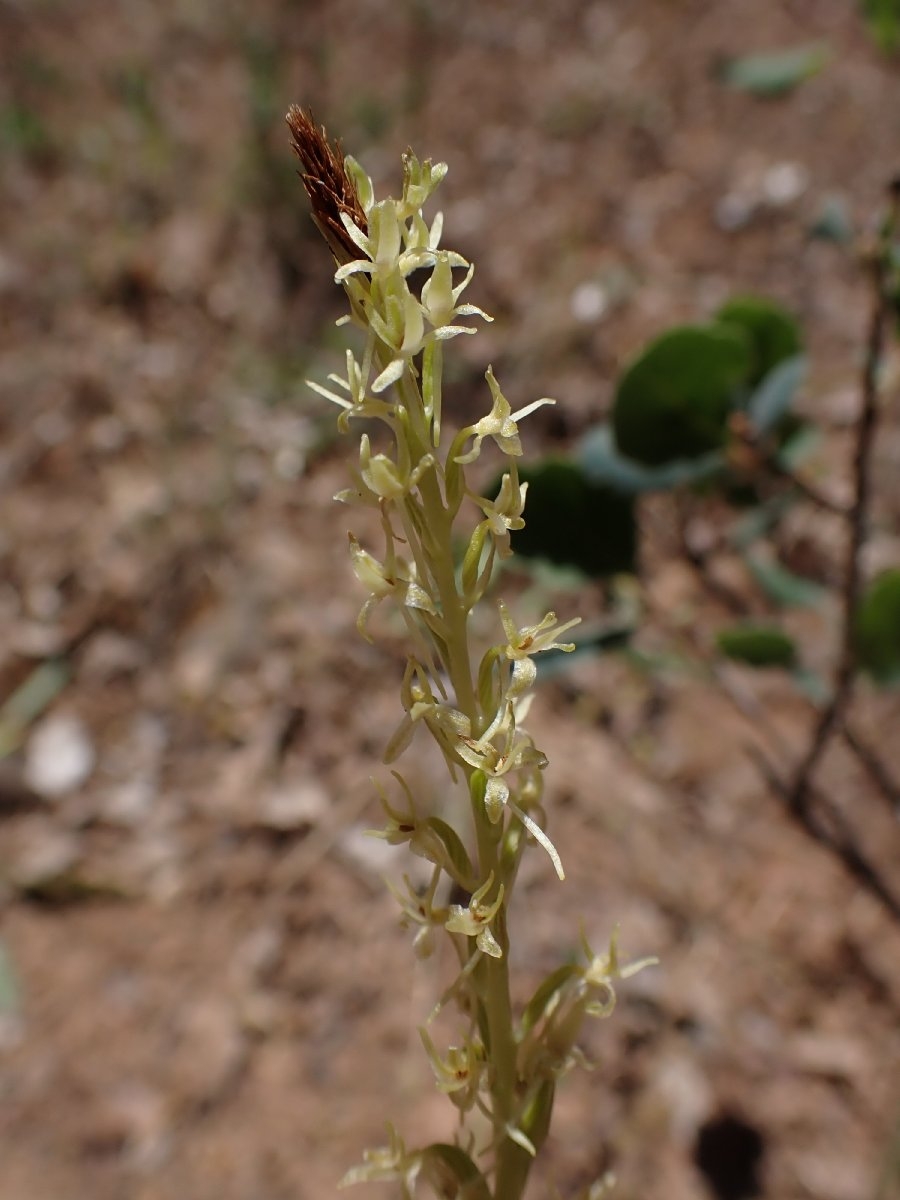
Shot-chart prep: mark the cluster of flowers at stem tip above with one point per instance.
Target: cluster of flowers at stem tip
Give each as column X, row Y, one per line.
column 405, row 295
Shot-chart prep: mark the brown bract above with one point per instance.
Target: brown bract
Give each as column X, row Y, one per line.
column 328, row 185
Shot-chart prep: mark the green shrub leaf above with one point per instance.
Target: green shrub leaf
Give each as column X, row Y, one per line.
column 10, row 994
column 29, row 700
column 604, row 463
column 878, row 628
column 799, row 442
column 812, row 685
column 778, row 72
column 783, row 586
column 773, row 398
column 832, row 223
column 773, row 333
column 573, row 522
column 757, row 645
column 674, row 400
column 883, row 20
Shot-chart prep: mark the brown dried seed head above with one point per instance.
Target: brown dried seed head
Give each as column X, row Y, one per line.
column 327, row 182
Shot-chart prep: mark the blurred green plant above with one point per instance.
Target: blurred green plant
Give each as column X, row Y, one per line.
column 24, row 132
column 883, row 20
column 29, row 700
column 878, row 628
column 702, row 412
column 673, row 402
column 707, row 414
column 10, row 991
column 757, row 645
column 133, row 86
column 577, row 522
column 776, row 72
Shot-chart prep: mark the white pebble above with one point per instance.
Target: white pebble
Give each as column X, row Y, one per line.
column 784, row 183
column 59, row 756
column 589, row 302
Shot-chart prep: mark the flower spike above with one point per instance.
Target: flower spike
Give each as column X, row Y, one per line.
column 434, row 562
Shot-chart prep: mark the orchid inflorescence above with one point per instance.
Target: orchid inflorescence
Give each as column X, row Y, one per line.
column 503, row 1069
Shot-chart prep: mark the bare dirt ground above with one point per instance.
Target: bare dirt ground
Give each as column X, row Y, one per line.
column 204, row 991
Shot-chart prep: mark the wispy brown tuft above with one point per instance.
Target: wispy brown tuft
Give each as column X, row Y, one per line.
column 328, row 185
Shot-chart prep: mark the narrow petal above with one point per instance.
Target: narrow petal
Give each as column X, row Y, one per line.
column 389, row 375
column 539, row 836
column 340, row 401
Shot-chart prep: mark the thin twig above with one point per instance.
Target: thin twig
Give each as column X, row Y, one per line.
column 807, row 490
column 832, row 714
column 874, row 767
column 826, row 825
column 758, row 452
column 733, row 602
column 838, row 838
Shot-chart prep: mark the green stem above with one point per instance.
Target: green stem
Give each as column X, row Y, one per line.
column 440, row 532
column 512, row 1163
column 511, row 1171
